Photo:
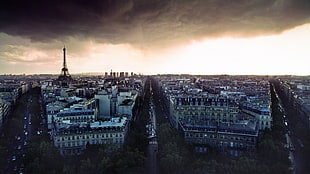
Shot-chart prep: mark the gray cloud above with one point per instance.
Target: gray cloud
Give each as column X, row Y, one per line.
column 147, row 24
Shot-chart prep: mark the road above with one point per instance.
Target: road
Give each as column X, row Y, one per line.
column 294, row 144
column 152, row 149
column 15, row 162
column 289, row 143
column 19, row 143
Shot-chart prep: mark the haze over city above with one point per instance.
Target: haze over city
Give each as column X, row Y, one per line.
column 263, row 37
column 154, row 86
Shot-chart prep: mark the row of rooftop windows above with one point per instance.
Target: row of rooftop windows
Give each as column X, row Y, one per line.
column 79, row 130
column 84, row 143
column 92, row 136
column 256, row 110
column 207, row 114
column 206, row 99
column 75, row 118
column 207, row 110
column 62, row 114
column 223, row 145
column 220, row 130
column 194, row 123
column 221, row 104
column 220, row 136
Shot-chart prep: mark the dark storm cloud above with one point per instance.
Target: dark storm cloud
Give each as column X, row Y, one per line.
column 147, row 23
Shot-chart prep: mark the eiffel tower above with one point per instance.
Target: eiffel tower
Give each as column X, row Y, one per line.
column 64, row 78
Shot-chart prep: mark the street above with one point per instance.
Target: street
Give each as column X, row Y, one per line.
column 152, row 149
column 15, row 164
column 20, row 141
column 293, row 143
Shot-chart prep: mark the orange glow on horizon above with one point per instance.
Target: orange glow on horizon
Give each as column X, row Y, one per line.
column 286, row 53
column 283, row 54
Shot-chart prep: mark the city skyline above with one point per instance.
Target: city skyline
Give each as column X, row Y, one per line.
column 156, row 37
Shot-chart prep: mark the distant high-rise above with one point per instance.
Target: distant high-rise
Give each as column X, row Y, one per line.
column 64, row 76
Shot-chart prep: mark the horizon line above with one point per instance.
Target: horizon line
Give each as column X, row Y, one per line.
column 98, row 73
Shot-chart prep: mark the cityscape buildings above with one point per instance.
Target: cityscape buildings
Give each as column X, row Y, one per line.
column 223, row 112
column 112, row 121
column 71, row 138
column 297, row 92
column 84, row 112
column 228, row 113
column 10, row 91
column 104, row 118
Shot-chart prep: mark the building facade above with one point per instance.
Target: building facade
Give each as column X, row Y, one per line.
column 214, row 121
column 226, row 137
column 223, row 112
column 5, row 108
column 72, row 139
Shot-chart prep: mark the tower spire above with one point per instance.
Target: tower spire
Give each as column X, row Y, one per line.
column 64, row 76
column 64, row 62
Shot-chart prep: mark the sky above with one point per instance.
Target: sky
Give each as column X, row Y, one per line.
column 257, row 37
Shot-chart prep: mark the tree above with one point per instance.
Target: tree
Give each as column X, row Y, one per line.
column 43, row 157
